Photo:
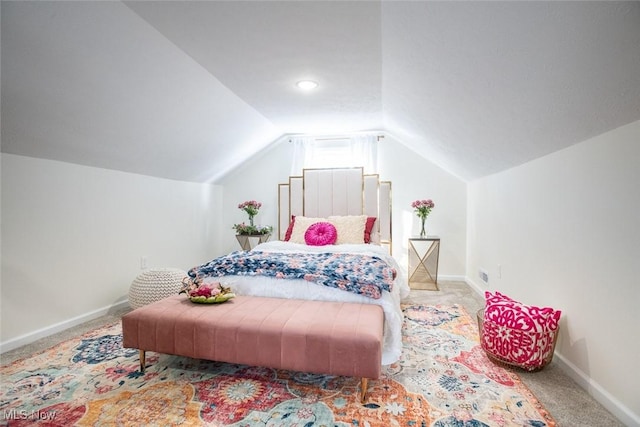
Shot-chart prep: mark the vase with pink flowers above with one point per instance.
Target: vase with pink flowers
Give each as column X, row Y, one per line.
column 422, row 208
column 251, row 207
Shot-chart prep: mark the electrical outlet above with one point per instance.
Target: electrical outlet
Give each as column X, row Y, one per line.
column 143, row 262
column 484, row 276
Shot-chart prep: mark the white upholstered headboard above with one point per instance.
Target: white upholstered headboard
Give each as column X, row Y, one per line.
column 342, row 191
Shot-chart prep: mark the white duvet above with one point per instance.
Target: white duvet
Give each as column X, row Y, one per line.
column 302, row 289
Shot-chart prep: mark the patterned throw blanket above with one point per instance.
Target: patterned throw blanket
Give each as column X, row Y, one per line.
column 360, row 274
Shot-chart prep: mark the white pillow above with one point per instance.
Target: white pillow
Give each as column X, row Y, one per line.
column 350, row 228
column 300, row 225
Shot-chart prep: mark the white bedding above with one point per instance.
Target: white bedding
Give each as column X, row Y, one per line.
column 303, row 289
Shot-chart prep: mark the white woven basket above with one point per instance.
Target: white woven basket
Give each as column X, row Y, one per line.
column 154, row 285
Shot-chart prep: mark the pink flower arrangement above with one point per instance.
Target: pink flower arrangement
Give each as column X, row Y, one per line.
column 205, row 292
column 423, row 207
column 251, row 207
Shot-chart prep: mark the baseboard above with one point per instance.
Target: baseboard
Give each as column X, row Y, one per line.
column 595, row 390
column 58, row 327
column 450, row 278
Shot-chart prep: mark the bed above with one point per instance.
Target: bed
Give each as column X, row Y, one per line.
column 358, row 208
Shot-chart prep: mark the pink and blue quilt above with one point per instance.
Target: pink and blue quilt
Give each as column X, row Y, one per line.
column 361, row 274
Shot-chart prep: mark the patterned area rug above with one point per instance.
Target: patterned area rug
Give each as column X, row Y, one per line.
column 443, row 379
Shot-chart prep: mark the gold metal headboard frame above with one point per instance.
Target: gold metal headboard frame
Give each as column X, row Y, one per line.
column 373, row 195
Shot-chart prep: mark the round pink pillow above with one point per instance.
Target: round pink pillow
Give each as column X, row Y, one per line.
column 320, row 234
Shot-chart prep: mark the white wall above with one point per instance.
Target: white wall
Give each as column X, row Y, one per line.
column 565, row 230
column 256, row 179
column 73, row 236
column 412, row 178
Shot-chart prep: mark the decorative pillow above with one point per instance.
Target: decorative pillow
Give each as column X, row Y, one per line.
column 287, row 235
column 368, row 236
column 519, row 334
column 350, row 228
column 320, row 234
column 300, row 226
column 368, row 228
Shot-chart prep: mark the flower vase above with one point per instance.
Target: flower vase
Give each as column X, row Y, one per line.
column 251, row 220
column 423, row 233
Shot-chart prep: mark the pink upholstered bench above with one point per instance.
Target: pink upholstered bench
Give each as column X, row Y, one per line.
column 308, row 336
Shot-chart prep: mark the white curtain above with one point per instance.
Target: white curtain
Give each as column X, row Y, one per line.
column 364, row 152
column 302, row 150
column 350, row 151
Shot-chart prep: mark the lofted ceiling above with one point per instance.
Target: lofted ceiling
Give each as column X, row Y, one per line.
column 189, row 90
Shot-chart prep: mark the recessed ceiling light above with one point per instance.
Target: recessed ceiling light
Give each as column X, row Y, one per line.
column 307, row 84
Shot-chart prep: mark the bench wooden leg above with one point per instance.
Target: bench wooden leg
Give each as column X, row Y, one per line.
column 363, row 389
column 142, row 361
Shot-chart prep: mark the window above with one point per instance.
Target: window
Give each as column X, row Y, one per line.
column 319, row 152
column 329, row 153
